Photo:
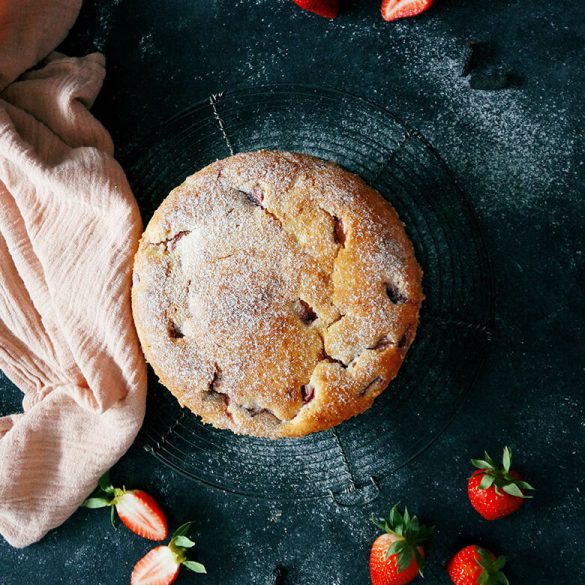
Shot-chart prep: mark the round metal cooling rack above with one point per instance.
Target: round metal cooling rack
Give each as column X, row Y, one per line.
column 456, row 319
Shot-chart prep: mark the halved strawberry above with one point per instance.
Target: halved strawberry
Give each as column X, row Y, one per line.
column 157, row 567
column 395, row 9
column 326, row 8
column 161, row 565
column 138, row 510
column 140, row 513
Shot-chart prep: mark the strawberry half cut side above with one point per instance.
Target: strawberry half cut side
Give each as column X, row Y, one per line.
column 137, row 509
column 395, row 9
column 162, row 564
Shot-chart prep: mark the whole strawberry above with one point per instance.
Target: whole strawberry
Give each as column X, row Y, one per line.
column 397, row 556
column 162, row 564
column 138, row 510
column 474, row 565
column 496, row 492
column 325, row 8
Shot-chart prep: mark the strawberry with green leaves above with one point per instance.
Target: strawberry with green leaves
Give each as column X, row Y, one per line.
column 162, row 564
column 398, row 555
column 474, row 565
column 496, row 492
column 138, row 510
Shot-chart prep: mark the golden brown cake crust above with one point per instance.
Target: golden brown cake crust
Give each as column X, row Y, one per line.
column 275, row 294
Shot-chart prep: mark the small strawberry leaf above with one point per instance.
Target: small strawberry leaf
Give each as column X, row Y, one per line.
column 507, row 459
column 481, row 464
column 113, row 516
column 182, row 530
column 194, row 566
column 489, row 459
column 183, row 541
column 484, row 563
column 486, row 481
column 513, row 490
column 404, row 559
column 94, row 503
column 395, row 516
column 420, row 561
column 491, row 568
column 395, row 548
column 523, row 484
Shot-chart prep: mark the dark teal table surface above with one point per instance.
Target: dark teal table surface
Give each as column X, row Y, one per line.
column 517, row 152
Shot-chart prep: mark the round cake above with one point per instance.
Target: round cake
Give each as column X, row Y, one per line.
column 275, row 294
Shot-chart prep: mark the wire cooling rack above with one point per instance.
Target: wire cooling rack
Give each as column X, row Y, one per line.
column 456, row 319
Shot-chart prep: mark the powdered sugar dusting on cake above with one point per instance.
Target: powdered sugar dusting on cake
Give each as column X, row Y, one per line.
column 267, row 273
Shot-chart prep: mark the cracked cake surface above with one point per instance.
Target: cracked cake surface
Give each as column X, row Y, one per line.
column 275, row 294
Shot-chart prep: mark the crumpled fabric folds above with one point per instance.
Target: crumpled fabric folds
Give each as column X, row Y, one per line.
column 69, row 227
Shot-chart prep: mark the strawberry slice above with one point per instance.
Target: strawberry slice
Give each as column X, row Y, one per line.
column 326, row 8
column 138, row 510
column 157, row 567
column 161, row 565
column 395, row 9
column 140, row 513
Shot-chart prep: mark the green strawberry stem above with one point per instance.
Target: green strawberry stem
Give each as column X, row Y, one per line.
column 180, row 544
column 491, row 573
column 411, row 534
column 105, row 495
column 500, row 477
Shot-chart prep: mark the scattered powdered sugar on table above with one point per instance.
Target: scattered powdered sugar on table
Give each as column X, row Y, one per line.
column 525, row 144
column 147, row 45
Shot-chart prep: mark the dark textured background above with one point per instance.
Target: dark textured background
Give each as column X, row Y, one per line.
column 518, row 154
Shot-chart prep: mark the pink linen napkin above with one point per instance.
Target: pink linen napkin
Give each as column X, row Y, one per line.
column 69, row 227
